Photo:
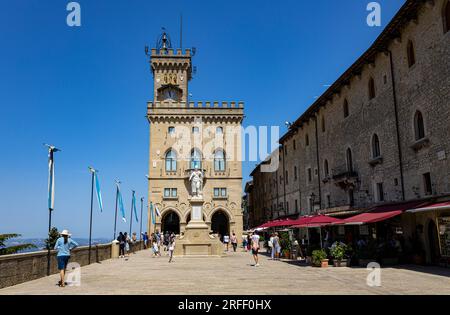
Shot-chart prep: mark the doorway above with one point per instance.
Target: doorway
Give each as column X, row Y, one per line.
column 433, row 243
column 170, row 223
column 220, row 223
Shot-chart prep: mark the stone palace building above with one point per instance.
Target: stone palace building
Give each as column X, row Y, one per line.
column 379, row 135
column 184, row 136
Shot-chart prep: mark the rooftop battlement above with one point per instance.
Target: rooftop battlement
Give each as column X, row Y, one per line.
column 206, row 105
column 170, row 52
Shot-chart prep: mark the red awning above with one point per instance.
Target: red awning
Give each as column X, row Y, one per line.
column 276, row 223
column 371, row 217
column 432, row 207
column 381, row 213
column 315, row 221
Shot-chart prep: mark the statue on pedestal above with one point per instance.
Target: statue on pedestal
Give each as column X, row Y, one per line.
column 196, row 179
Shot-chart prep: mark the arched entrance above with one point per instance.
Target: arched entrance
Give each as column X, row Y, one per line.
column 433, row 242
column 220, row 223
column 170, row 222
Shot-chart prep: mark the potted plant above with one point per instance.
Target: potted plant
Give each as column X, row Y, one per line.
column 309, row 251
column 285, row 244
column 337, row 251
column 319, row 258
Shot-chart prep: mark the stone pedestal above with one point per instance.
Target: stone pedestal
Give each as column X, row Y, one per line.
column 196, row 240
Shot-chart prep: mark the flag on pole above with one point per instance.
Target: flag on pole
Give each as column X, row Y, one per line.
column 134, row 206
column 51, row 180
column 158, row 213
column 122, row 209
column 99, row 193
column 151, row 213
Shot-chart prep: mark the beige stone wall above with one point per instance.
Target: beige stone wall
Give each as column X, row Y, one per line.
column 173, row 69
column 183, row 117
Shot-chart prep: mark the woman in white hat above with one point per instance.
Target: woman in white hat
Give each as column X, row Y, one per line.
column 64, row 245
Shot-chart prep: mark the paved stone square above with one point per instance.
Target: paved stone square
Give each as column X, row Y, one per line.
column 234, row 274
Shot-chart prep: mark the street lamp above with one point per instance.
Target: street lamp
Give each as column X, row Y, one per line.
column 140, row 230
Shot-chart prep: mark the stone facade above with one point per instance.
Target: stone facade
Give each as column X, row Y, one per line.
column 178, row 128
column 375, row 127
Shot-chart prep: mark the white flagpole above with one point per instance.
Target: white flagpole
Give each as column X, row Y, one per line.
column 51, row 195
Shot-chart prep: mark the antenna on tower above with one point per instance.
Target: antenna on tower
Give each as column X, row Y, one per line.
column 181, row 30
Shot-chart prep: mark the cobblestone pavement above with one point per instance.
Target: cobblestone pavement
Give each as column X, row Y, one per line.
column 234, row 274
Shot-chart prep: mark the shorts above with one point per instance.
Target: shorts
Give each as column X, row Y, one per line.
column 255, row 251
column 62, row 262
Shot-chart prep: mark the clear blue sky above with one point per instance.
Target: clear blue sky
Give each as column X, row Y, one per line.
column 85, row 89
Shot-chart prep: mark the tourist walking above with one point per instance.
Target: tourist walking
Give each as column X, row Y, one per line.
column 155, row 247
column 244, row 242
column 255, row 247
column 272, row 251
column 276, row 246
column 234, row 241
column 127, row 244
column 249, row 242
column 121, row 240
column 171, row 248
column 226, row 241
column 145, row 239
column 64, row 245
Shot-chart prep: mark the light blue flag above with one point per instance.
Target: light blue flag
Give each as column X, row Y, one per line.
column 51, row 181
column 99, row 193
column 122, row 209
column 134, row 207
column 151, row 213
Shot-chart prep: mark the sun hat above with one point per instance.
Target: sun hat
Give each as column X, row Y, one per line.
column 65, row 232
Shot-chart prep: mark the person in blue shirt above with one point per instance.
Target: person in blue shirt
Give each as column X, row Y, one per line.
column 64, row 245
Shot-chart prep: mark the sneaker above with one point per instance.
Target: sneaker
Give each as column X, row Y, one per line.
column 257, row 265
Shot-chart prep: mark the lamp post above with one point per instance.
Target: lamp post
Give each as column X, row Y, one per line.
column 92, row 170
column 117, row 199
column 131, row 211
column 51, row 195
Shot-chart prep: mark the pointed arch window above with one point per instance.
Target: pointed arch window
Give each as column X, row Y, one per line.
column 171, row 161
column 375, row 146
column 219, row 161
column 306, row 140
column 419, row 126
column 196, row 159
column 410, row 54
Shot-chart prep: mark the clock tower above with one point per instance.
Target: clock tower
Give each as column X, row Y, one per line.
column 195, row 165
column 172, row 70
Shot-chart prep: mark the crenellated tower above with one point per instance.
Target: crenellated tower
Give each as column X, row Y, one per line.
column 172, row 71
